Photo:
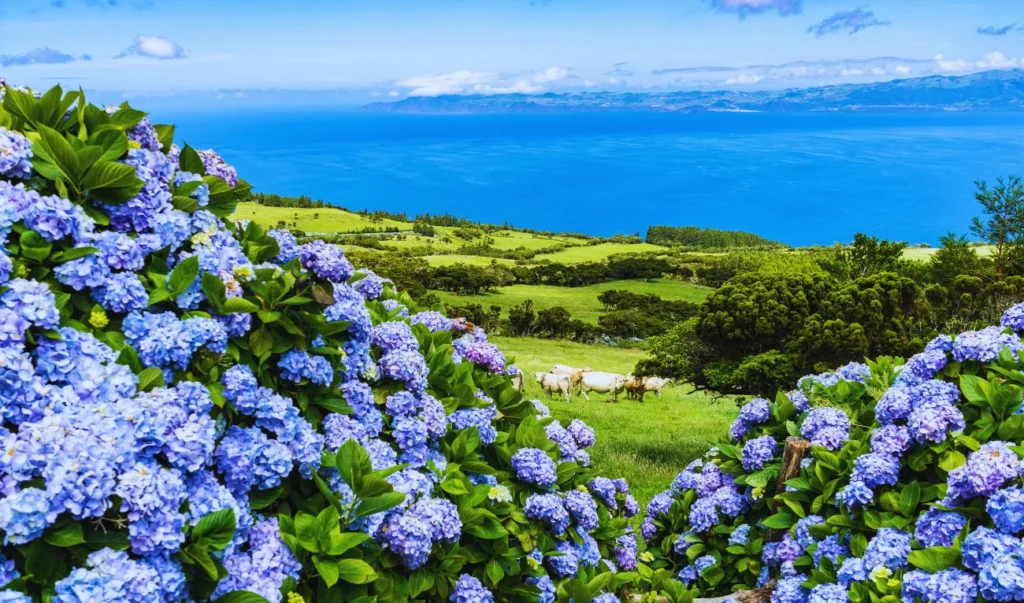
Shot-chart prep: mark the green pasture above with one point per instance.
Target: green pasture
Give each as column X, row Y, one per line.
column 329, row 219
column 581, row 302
column 649, row 442
column 583, row 254
column 469, row 260
column 923, row 254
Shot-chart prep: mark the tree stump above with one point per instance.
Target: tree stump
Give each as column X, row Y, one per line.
column 795, row 452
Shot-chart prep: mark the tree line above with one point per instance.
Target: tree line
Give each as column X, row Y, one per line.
column 706, row 238
column 761, row 330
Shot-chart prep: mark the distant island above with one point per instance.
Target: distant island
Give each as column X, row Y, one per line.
column 980, row 92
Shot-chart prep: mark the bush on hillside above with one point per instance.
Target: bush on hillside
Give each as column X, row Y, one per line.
column 913, row 491
column 195, row 409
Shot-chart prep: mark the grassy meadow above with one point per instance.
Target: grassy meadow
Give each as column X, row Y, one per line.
column 581, row 302
column 311, row 220
column 647, row 443
column 583, row 254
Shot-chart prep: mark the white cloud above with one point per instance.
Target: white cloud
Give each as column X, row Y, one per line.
column 745, row 79
column 394, row 93
column 994, row 60
column 154, row 47
column 483, row 82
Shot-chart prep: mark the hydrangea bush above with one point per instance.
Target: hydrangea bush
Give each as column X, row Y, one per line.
column 194, row 409
column 912, row 491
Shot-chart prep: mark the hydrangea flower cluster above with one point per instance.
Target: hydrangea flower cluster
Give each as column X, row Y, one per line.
column 934, row 448
column 161, row 365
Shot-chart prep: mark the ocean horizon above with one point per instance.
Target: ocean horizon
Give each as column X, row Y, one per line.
column 801, row 179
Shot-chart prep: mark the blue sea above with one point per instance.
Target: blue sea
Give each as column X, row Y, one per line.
column 798, row 178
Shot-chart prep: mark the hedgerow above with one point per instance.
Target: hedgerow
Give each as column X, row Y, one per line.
column 912, row 490
column 194, row 409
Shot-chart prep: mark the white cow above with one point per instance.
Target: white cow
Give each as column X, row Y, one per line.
column 602, row 383
column 518, row 380
column 575, row 373
column 656, row 384
column 555, row 383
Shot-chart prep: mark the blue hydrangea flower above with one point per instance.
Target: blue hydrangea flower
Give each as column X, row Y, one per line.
column 370, row 286
column 938, row 528
column 753, row 413
column 889, row 547
column 24, row 515
column 985, row 345
column 983, row 546
column 469, row 590
column 326, row 261
column 946, row 586
column 828, row 593
column 549, row 509
column 1003, row 578
column 1006, row 508
column 741, row 535
column 874, row 470
column 891, row 440
column 122, row 292
column 703, row 515
column 582, row 508
column 15, row 155
column 216, row 166
column 985, row 472
column 394, row 336
column 534, row 466
column 855, row 494
column 758, row 452
column 1013, row 318
column 826, row 426
column 567, row 564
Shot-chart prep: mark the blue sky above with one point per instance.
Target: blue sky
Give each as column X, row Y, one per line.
column 396, row 48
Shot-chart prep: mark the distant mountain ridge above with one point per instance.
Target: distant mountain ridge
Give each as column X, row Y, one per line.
column 985, row 91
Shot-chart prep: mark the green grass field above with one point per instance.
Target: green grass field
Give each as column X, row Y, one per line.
column 581, row 302
column 923, row 254
column 595, row 253
column 649, row 442
column 471, row 260
column 311, row 220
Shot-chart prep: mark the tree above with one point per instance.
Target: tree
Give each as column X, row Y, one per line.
column 1002, row 226
column 871, row 316
column 955, row 257
column 522, row 320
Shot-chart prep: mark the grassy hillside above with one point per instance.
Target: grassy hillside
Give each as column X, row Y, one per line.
column 596, row 253
column 581, row 302
column 923, row 254
column 312, row 220
column 649, row 442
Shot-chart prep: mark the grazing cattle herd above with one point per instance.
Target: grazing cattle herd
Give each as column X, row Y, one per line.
column 565, row 381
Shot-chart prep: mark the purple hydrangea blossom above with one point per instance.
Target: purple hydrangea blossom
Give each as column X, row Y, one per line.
column 938, row 528
column 469, row 590
column 534, row 466
column 985, row 472
column 826, row 426
column 1006, row 508
column 15, row 155
column 758, row 452
column 549, row 509
column 985, row 345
